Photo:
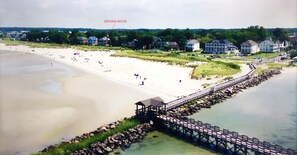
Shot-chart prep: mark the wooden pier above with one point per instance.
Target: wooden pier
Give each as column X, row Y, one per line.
column 221, row 141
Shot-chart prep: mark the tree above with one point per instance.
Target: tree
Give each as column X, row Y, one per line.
column 57, row 37
column 36, row 35
column 204, row 40
column 280, row 34
column 145, row 41
column 73, row 36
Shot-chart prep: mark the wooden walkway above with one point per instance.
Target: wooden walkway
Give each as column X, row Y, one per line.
column 202, row 93
column 222, row 141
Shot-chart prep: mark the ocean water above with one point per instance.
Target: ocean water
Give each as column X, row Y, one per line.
column 158, row 143
column 268, row 112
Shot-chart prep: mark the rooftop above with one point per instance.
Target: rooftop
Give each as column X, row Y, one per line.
column 156, row 101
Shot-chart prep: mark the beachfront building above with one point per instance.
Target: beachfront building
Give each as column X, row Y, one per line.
column 169, row 46
column 220, row 47
column 249, row 47
column 105, row 41
column 92, row 40
column 282, row 45
column 130, row 44
column 268, row 46
column 82, row 40
column 192, row 45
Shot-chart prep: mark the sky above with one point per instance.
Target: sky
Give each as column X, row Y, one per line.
column 148, row 13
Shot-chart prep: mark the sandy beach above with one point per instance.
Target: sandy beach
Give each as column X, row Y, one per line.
column 42, row 104
column 48, row 95
column 161, row 78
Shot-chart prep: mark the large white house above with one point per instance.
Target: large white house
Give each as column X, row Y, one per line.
column 282, row 45
column 249, row 47
column 220, row 47
column 268, row 46
column 192, row 45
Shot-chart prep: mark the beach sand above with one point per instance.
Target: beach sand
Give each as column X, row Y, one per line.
column 161, row 78
column 44, row 100
column 42, row 104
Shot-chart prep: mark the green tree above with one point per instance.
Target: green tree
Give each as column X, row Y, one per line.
column 58, row 37
column 204, row 40
column 280, row 34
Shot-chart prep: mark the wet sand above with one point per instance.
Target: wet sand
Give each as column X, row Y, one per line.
column 42, row 104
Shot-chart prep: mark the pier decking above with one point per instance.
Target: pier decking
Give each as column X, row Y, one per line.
column 221, row 141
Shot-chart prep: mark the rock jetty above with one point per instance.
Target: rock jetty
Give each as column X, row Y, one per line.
column 122, row 140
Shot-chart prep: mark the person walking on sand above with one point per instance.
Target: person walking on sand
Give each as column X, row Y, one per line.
column 51, row 63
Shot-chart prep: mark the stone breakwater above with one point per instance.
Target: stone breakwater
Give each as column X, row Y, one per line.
column 77, row 139
column 208, row 101
column 123, row 140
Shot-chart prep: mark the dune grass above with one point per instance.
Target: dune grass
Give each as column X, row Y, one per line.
column 64, row 148
column 215, row 68
column 169, row 57
column 263, row 55
column 269, row 66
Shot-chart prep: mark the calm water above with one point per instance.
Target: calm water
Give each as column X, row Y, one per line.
column 160, row 143
column 268, row 112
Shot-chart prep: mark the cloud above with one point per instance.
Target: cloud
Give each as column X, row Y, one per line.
column 149, row 13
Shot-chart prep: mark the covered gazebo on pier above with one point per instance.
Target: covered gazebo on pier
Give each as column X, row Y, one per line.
column 149, row 108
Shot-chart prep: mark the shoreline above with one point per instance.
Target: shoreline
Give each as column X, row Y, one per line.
column 234, row 90
column 167, row 81
column 34, row 115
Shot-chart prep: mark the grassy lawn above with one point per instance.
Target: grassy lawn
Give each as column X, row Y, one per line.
column 215, row 68
column 268, row 66
column 68, row 148
column 263, row 55
column 169, row 57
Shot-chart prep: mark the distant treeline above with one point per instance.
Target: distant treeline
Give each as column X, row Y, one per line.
column 149, row 38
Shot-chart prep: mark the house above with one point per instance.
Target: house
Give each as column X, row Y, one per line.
column 130, row 44
column 169, row 46
column 105, row 41
column 220, row 47
column 82, row 40
column 282, row 45
column 268, row 46
column 249, row 47
column 92, row 40
column 192, row 45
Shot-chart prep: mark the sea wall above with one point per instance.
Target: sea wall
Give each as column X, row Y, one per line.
column 122, row 140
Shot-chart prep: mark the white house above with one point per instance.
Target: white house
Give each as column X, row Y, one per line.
column 282, row 45
column 268, row 46
column 220, row 47
column 249, row 47
column 192, row 45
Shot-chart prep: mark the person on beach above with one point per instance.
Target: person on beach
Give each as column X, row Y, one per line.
column 51, row 63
